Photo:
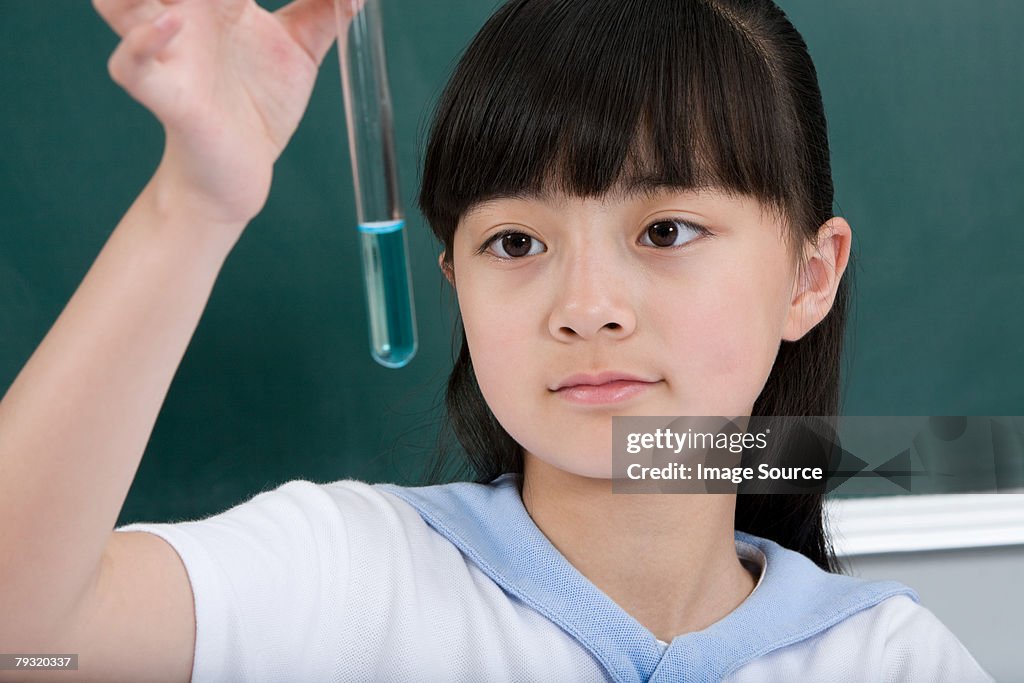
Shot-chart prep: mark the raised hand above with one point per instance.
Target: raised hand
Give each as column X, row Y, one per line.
column 229, row 81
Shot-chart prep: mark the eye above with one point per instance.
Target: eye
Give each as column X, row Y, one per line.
column 512, row 245
column 671, row 232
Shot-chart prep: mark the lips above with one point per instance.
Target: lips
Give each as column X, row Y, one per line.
column 602, row 388
column 598, row 379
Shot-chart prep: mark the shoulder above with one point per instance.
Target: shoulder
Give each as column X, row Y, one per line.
column 363, row 515
column 347, row 502
column 300, row 506
column 918, row 646
column 894, row 640
column 820, row 625
column 299, row 529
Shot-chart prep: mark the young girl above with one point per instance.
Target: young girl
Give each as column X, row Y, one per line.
column 634, row 200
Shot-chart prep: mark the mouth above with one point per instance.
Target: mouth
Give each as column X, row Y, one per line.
column 603, row 388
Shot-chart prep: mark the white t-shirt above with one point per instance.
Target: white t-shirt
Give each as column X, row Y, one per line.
column 355, row 582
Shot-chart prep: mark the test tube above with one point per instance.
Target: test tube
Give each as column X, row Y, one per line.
column 379, row 216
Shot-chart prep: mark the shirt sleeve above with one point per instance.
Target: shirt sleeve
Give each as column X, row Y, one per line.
column 263, row 575
column 919, row 647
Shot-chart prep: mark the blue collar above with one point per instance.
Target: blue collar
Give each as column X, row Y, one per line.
column 794, row 600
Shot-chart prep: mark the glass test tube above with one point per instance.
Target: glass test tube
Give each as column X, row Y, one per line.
column 380, row 220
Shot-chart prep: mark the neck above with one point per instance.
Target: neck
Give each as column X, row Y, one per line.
column 669, row 560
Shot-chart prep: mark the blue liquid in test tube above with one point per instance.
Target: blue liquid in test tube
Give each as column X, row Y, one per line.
column 392, row 325
column 385, row 254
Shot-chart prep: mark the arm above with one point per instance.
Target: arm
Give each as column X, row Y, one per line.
column 74, row 425
column 229, row 82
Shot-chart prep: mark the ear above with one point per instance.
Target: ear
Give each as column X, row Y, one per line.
column 449, row 272
column 814, row 290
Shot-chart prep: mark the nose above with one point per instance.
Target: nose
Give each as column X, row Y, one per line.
column 593, row 300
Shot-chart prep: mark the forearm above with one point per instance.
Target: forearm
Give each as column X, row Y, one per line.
column 75, row 422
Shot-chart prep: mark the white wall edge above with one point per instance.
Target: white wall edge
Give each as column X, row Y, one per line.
column 890, row 524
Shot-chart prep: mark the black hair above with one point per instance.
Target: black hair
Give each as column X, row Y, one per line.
column 585, row 96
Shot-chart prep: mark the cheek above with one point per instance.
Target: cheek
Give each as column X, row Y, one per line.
column 728, row 337
column 494, row 332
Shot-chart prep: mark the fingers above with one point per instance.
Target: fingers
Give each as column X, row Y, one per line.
column 124, row 15
column 136, row 56
column 314, row 25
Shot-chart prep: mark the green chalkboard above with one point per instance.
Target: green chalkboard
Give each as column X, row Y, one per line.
column 924, row 101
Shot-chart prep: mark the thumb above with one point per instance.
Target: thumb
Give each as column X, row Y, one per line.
column 314, row 24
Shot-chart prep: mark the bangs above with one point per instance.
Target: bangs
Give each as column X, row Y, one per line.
column 587, row 98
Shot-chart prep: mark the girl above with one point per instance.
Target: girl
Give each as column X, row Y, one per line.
column 634, row 200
